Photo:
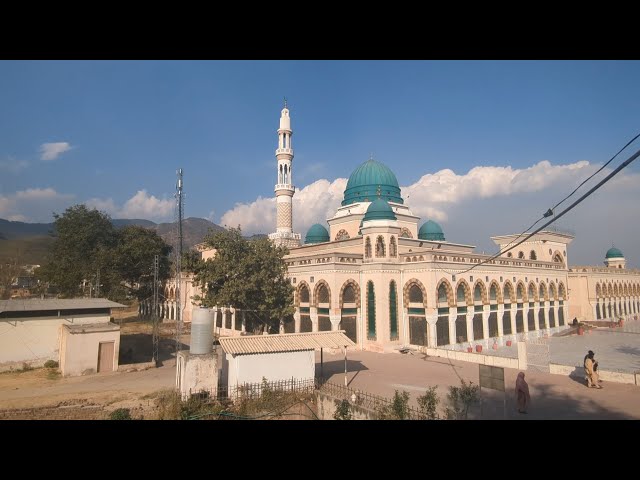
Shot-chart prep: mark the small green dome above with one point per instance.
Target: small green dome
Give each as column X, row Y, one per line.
column 367, row 179
column 379, row 210
column 316, row 234
column 613, row 252
column 430, row 230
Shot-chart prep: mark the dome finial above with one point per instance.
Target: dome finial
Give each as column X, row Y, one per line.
column 285, row 102
column 371, row 156
column 378, row 191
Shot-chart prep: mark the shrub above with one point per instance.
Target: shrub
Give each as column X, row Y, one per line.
column 343, row 410
column 460, row 399
column 120, row 414
column 428, row 404
column 397, row 410
column 50, row 364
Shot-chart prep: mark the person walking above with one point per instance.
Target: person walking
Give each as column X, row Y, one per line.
column 523, row 397
column 591, row 370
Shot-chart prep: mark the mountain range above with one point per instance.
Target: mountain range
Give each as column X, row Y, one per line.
column 30, row 241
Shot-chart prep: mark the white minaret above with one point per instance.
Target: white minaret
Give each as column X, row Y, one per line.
column 284, row 187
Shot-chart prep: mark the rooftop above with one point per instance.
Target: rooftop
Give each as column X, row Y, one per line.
column 39, row 304
column 285, row 342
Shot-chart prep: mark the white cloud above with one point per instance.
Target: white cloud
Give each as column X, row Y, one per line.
column 13, row 165
column 51, row 151
column 33, row 204
column 141, row 205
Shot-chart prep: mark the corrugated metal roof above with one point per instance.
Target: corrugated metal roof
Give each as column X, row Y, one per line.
column 285, row 342
column 32, row 304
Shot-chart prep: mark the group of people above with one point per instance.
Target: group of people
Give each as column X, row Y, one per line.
column 523, row 398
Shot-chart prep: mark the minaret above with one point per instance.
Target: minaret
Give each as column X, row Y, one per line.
column 284, row 187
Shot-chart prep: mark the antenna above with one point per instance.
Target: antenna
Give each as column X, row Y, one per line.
column 179, row 212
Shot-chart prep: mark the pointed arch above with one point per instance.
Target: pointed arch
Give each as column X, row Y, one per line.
column 367, row 248
column 480, row 292
column 350, row 287
column 444, row 290
column 508, row 292
column 532, row 255
column 303, row 294
column 321, row 294
column 543, row 294
column 552, row 292
column 610, row 289
column 393, row 248
column 598, row 290
column 615, row 290
column 414, row 292
column 532, row 292
column 495, row 292
column 521, row 292
column 405, row 233
column 463, row 292
column 558, row 258
column 380, row 247
column 562, row 292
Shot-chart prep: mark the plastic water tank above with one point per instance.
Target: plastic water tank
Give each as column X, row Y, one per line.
column 202, row 322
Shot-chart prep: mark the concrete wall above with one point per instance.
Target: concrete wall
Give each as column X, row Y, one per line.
column 473, row 357
column 272, row 366
column 605, row 375
column 36, row 340
column 196, row 373
column 79, row 351
column 327, row 405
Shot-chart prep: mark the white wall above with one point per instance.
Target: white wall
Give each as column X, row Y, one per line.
column 272, row 366
column 79, row 351
column 36, row 340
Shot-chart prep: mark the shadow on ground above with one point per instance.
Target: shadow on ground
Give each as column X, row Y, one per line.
column 138, row 348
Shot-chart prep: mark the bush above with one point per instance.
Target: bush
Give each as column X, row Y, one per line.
column 50, row 364
column 397, row 410
column 343, row 410
column 428, row 404
column 120, row 414
column 460, row 399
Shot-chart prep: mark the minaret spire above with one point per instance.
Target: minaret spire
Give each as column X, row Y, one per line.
column 284, row 188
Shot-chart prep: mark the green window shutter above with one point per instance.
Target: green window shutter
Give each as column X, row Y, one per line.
column 393, row 310
column 371, row 312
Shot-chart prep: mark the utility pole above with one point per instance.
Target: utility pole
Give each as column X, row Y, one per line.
column 179, row 213
column 154, row 315
column 98, row 284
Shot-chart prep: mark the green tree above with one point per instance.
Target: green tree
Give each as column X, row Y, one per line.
column 460, row 400
column 249, row 275
column 133, row 257
column 83, row 240
column 428, row 403
column 9, row 271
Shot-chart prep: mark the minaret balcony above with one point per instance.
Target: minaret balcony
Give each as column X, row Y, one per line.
column 284, row 150
column 284, row 186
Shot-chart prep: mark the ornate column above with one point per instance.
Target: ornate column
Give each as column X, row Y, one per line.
column 500, row 315
column 470, row 324
column 296, row 320
column 432, row 334
column 514, row 311
column 536, row 314
column 486, row 311
column 453, row 315
column 525, row 316
column 334, row 318
column 313, row 314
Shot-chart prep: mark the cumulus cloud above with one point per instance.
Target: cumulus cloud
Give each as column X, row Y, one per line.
column 141, row 205
column 33, row 204
column 51, row 151
column 13, row 165
column 484, row 202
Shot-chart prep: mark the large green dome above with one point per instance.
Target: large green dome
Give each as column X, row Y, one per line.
column 316, row 234
column 367, row 179
column 613, row 252
column 379, row 210
column 430, row 230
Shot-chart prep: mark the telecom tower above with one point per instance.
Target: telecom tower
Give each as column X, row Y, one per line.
column 284, row 188
column 179, row 213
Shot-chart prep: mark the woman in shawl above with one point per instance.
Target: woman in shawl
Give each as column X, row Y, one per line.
column 522, row 393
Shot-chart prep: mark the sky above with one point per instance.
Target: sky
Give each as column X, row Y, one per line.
column 482, row 147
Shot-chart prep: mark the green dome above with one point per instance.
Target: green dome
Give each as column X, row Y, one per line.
column 613, row 252
column 365, row 181
column 379, row 210
column 431, row 231
column 316, row 234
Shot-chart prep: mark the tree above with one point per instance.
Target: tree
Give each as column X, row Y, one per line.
column 83, row 239
column 133, row 257
column 249, row 275
column 9, row 270
column 88, row 248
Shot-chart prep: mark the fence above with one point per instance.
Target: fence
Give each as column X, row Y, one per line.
column 252, row 390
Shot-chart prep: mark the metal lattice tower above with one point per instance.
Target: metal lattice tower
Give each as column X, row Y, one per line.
column 154, row 315
column 179, row 214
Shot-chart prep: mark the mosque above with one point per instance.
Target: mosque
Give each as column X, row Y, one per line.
column 389, row 280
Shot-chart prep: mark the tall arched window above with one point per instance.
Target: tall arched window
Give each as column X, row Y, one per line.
column 461, row 294
column 477, row 293
column 304, row 294
column 393, row 249
column 393, row 311
column 532, row 255
column 371, row 312
column 280, row 177
column 380, row 250
column 367, row 248
column 442, row 294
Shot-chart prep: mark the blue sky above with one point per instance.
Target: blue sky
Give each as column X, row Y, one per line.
column 114, row 132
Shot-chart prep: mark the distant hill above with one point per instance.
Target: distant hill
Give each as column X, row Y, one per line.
column 31, row 241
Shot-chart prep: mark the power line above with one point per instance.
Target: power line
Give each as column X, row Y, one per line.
column 556, row 217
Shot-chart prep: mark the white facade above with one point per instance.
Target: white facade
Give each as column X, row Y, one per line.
column 251, row 368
